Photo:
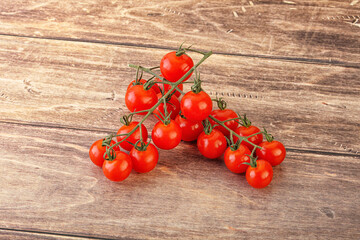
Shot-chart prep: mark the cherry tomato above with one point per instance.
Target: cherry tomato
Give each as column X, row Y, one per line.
column 134, row 137
column 97, row 152
column 223, row 115
column 173, row 67
column 211, row 145
column 196, row 106
column 173, row 106
column 167, row 87
column 247, row 131
column 118, row 169
column 144, row 161
column 166, row 136
column 261, row 175
column 137, row 98
column 142, row 81
column 190, row 130
column 234, row 159
column 274, row 152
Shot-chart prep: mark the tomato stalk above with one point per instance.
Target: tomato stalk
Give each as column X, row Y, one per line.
column 221, row 123
column 109, row 149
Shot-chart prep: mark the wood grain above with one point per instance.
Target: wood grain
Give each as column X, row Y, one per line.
column 315, row 31
column 57, row 189
column 33, row 235
column 82, row 85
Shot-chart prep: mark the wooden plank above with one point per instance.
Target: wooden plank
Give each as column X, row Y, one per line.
column 324, row 31
column 49, row 184
column 82, row 85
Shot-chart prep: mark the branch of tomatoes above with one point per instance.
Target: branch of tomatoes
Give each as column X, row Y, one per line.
column 196, row 121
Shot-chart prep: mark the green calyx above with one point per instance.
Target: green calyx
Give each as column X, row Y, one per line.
column 244, row 121
column 164, row 117
column 109, row 154
column 140, row 145
column 207, row 126
column 268, row 136
column 196, row 88
column 126, row 119
column 221, row 103
column 252, row 163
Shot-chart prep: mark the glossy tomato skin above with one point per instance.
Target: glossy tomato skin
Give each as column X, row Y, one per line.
column 173, row 106
column 247, row 131
column 196, row 106
column 97, row 152
column 133, row 138
column 190, row 130
column 142, row 82
column 223, row 115
column 166, row 136
column 261, row 175
column 234, row 159
column 274, row 152
column 211, row 145
column 118, row 169
column 167, row 87
column 144, row 161
column 173, row 67
column 137, row 98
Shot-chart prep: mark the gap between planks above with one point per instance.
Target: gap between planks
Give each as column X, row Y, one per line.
column 60, row 234
column 261, row 56
column 108, row 131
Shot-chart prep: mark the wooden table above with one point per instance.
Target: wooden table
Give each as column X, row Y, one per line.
column 292, row 66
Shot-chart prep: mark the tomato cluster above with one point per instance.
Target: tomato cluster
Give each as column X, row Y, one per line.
column 186, row 117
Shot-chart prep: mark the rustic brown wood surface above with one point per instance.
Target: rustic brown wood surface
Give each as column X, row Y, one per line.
column 292, row 66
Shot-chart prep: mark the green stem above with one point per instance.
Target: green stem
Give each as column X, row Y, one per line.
column 234, row 133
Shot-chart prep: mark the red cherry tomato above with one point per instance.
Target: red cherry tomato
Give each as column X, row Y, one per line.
column 134, row 137
column 137, row 98
column 144, row 161
column 97, row 152
column 234, row 159
column 118, row 169
column 190, row 130
column 173, row 67
column 223, row 115
column 166, row 136
column 211, row 145
column 247, row 131
column 142, row 81
column 261, row 175
column 196, row 106
column 274, row 152
column 172, row 106
column 167, row 87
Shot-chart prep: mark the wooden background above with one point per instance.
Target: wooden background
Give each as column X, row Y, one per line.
column 292, row 66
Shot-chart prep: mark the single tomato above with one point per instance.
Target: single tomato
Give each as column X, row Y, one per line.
column 211, row 145
column 174, row 67
column 190, row 130
column 196, row 106
column 134, row 137
column 166, row 136
column 234, row 159
column 259, row 176
column 137, row 99
column 144, row 160
column 97, row 151
column 118, row 169
column 274, row 152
